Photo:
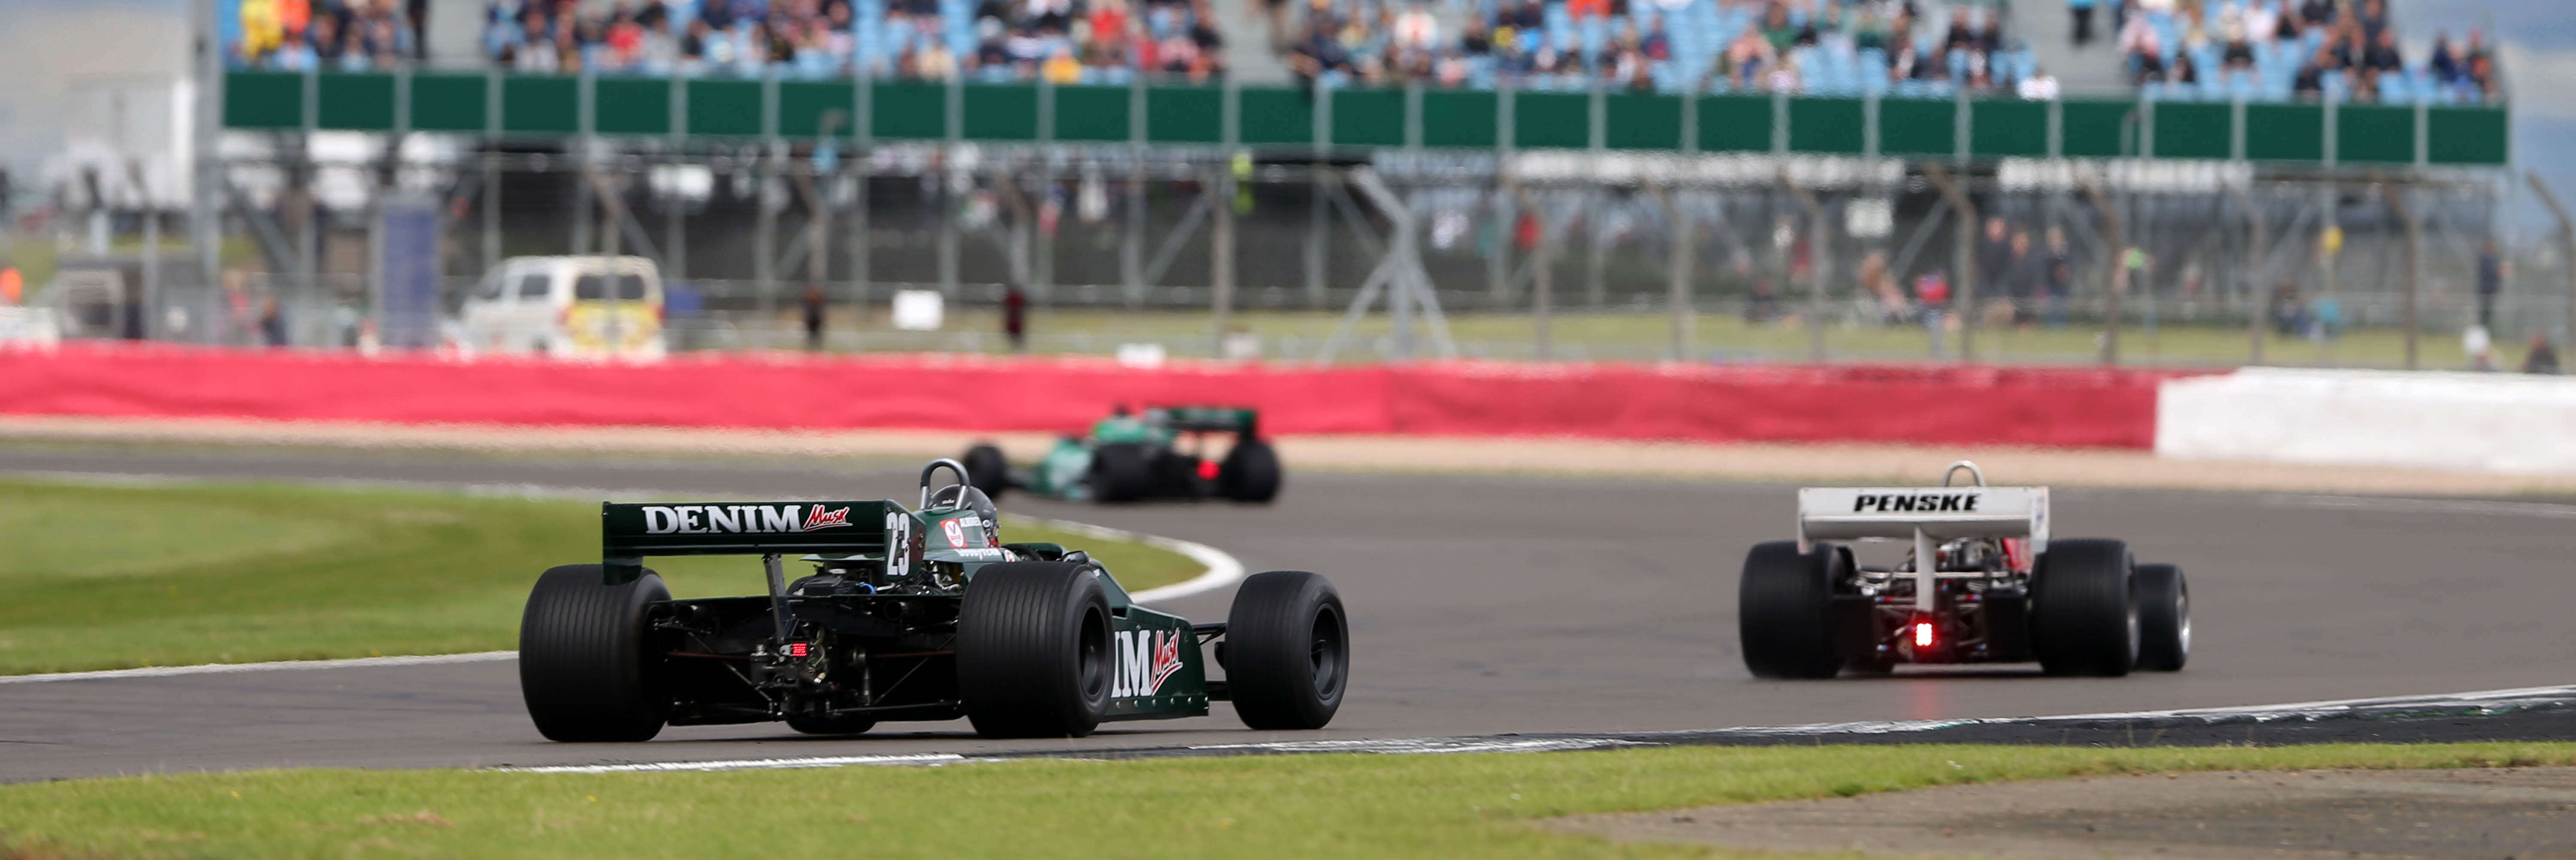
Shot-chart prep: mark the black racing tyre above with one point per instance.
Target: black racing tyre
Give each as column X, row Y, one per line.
column 1122, row 472
column 2164, row 617
column 1176, row 475
column 1033, row 658
column 585, row 665
column 831, row 725
column 1784, row 610
column 1287, row 651
column 1249, row 473
column 987, row 470
column 2083, row 616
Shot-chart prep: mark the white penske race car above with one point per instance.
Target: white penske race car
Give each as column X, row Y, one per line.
column 1979, row 581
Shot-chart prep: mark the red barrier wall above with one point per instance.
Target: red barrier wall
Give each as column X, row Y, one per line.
column 1935, row 405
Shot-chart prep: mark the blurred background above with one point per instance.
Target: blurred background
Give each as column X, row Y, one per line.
column 2185, row 183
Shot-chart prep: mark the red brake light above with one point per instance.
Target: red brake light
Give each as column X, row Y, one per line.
column 798, row 649
column 1207, row 469
column 1922, row 634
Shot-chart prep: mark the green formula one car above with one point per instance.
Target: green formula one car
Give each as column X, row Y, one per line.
column 909, row 615
column 1158, row 455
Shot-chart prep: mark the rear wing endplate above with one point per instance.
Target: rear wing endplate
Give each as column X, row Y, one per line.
column 628, row 533
column 1940, row 513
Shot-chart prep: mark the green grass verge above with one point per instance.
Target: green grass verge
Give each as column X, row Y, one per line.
column 103, row 577
column 1272, row 806
column 1589, row 334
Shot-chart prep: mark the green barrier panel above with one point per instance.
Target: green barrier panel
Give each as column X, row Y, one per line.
column 1834, row 126
column 1185, row 115
column 1918, row 127
column 1002, row 112
column 540, row 105
column 263, row 100
column 2374, row 134
column 904, row 110
column 357, row 101
column 2001, row 128
column 449, row 102
column 631, row 106
column 1368, row 118
column 1735, row 123
column 2468, row 136
column 1462, row 119
column 1091, row 114
column 1552, row 120
column 2194, row 130
column 1641, row 121
column 1275, row 118
column 806, row 108
column 2097, row 129
column 721, row 108
column 2285, row 132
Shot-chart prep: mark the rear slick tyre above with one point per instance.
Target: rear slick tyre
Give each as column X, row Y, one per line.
column 1122, row 472
column 1033, row 657
column 2164, row 618
column 1250, row 473
column 1287, row 651
column 2083, row 615
column 585, row 668
column 1784, row 610
column 988, row 470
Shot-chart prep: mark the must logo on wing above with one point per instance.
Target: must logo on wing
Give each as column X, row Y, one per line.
column 740, row 519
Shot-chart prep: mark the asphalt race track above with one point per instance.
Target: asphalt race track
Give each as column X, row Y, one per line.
column 1479, row 607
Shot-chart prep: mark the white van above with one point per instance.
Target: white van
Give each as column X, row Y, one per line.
column 568, row 307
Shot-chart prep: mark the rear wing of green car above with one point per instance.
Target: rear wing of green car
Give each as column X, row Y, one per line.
column 1207, row 419
column 628, row 533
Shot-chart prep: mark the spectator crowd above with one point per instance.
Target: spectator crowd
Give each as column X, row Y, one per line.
column 1065, row 41
column 338, row 35
column 2280, row 49
column 1838, row 47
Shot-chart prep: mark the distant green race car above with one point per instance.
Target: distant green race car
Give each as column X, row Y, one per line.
column 1155, row 456
column 910, row 614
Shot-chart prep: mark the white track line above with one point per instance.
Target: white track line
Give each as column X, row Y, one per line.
column 743, row 764
column 2263, row 713
column 1223, row 569
column 280, row 665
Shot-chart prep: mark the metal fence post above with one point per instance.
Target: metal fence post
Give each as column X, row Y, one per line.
column 2115, row 238
column 1965, row 291
column 2566, row 238
column 1679, row 271
column 2395, row 197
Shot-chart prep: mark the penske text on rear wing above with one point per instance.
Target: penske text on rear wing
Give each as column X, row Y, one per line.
column 628, row 533
column 1941, row 513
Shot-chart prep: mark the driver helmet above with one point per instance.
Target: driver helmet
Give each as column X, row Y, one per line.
column 956, row 496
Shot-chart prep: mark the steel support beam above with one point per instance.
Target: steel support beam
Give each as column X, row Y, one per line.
column 2567, row 245
column 1964, row 290
column 2395, row 197
column 2115, row 236
column 1220, row 258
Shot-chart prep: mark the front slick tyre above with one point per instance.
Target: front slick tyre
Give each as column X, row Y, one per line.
column 585, row 667
column 1784, row 610
column 1033, row 656
column 2083, row 616
column 1287, row 651
column 2164, row 618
